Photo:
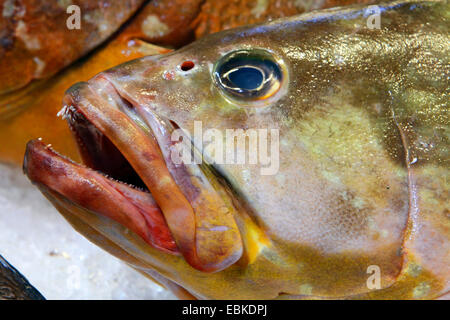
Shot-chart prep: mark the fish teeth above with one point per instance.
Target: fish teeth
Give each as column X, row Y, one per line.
column 70, row 113
column 67, row 112
column 61, row 113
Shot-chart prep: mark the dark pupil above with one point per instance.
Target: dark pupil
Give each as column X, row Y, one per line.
column 248, row 74
column 247, row 78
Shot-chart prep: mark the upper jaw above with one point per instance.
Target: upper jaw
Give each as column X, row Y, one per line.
column 191, row 214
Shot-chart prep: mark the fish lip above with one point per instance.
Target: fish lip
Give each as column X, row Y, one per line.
column 87, row 98
column 103, row 113
column 37, row 151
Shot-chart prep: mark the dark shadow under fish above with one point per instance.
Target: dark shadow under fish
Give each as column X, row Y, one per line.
column 14, row 286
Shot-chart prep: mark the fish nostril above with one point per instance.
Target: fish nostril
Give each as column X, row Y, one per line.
column 174, row 124
column 187, row 65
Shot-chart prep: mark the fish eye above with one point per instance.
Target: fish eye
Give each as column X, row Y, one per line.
column 248, row 74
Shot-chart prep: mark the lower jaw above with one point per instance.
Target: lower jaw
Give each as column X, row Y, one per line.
column 92, row 190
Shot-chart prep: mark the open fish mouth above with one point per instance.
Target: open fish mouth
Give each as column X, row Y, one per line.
column 128, row 175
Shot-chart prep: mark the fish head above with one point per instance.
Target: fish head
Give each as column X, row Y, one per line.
column 259, row 162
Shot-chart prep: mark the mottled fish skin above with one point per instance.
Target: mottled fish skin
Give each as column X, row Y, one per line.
column 14, row 286
column 37, row 38
column 363, row 177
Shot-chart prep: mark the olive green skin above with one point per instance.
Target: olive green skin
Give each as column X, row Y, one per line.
column 363, row 179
